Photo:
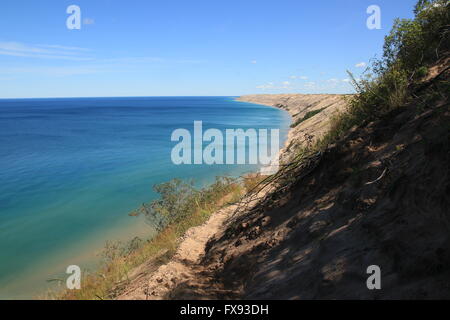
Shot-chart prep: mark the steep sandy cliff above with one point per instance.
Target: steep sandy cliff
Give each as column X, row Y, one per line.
column 379, row 196
column 311, row 114
column 148, row 282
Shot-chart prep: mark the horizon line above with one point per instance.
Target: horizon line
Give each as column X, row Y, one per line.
column 167, row 96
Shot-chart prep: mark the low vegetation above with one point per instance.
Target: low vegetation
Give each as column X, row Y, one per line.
column 180, row 207
column 411, row 48
column 396, row 80
column 307, row 116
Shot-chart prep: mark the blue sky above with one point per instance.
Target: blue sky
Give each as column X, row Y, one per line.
column 170, row 48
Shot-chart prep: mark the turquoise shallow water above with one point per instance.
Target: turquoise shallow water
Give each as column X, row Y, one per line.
column 71, row 170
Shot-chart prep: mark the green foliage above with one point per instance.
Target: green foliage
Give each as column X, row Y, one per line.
column 422, row 72
column 179, row 199
column 180, row 207
column 415, row 42
column 411, row 46
column 308, row 115
column 173, row 204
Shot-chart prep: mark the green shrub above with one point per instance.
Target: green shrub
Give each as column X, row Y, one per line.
column 308, row 115
column 180, row 207
column 411, row 46
column 413, row 43
column 422, row 72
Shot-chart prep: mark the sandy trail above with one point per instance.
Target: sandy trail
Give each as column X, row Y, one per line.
column 183, row 268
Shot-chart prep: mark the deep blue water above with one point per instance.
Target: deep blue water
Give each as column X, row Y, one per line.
column 72, row 170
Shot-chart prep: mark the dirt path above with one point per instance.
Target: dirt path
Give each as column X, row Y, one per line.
column 184, row 267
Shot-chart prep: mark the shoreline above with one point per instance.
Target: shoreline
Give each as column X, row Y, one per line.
column 288, row 139
column 88, row 242
column 158, row 282
column 262, row 116
column 298, row 106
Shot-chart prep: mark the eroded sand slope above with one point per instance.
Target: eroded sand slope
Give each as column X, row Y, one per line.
column 186, row 268
column 379, row 196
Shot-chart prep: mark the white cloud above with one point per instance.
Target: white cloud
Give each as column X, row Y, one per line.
column 299, row 77
column 53, row 71
column 56, row 46
column 72, row 53
column 310, row 85
column 361, row 65
column 253, row 62
column 267, row 86
column 332, row 85
column 43, row 56
column 17, row 49
column 133, row 60
column 144, row 60
column 274, row 86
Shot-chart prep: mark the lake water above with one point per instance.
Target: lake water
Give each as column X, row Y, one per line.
column 72, row 170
